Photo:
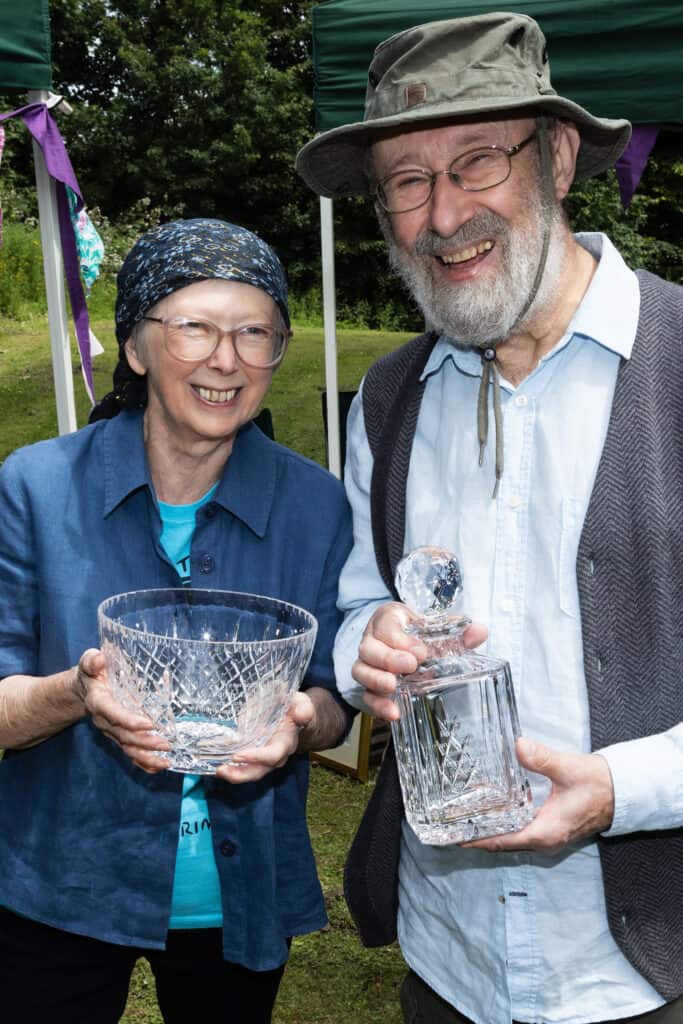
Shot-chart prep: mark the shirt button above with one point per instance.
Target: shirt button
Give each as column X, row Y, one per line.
column 515, row 501
column 501, row 899
column 206, row 564
column 227, row 848
column 507, row 605
column 521, row 400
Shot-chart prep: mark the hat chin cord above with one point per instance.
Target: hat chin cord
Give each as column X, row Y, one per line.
column 488, row 354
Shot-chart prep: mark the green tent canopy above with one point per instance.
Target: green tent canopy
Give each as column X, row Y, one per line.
column 617, row 58
column 25, row 45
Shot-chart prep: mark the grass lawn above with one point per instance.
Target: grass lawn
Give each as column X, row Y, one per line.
column 330, row 978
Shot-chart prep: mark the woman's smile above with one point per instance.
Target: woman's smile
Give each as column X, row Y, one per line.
column 213, row 396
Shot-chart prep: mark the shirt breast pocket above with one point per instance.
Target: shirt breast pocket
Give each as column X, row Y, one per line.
column 573, row 514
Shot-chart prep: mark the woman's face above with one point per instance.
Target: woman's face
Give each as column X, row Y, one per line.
column 207, row 400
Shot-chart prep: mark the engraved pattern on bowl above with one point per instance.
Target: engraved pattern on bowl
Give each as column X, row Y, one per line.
column 213, row 670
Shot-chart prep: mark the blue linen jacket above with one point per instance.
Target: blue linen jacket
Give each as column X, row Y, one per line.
column 87, row 840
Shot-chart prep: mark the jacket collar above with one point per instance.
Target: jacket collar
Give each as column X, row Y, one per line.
column 246, row 489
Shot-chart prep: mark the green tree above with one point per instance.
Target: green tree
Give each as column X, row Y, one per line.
column 194, row 107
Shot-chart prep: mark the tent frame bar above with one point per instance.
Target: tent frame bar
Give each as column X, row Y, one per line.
column 334, row 461
column 62, row 370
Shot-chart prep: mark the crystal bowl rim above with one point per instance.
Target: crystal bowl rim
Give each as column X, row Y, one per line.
column 311, row 629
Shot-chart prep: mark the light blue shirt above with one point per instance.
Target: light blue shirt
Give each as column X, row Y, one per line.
column 519, row 936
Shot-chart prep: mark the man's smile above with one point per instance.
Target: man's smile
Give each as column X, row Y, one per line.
column 466, row 254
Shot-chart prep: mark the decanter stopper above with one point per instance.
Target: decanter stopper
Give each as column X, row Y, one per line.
column 429, row 582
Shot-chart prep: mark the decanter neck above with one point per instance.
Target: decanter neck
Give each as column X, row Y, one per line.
column 442, row 635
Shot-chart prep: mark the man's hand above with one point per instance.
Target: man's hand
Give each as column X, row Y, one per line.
column 386, row 651
column 255, row 762
column 132, row 732
column 580, row 804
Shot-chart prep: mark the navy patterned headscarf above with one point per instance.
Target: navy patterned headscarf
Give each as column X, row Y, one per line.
column 170, row 257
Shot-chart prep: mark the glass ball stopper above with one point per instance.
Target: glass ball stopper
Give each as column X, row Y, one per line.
column 429, row 581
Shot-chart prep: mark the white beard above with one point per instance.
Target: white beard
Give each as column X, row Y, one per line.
column 484, row 312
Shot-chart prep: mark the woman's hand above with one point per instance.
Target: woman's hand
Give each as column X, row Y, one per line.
column 133, row 732
column 255, row 762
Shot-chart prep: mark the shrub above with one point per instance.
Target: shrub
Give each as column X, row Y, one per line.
column 307, row 309
column 22, row 284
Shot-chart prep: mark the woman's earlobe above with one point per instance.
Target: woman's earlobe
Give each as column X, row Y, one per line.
column 133, row 358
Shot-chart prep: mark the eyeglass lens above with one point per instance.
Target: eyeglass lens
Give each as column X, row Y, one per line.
column 474, row 171
column 255, row 344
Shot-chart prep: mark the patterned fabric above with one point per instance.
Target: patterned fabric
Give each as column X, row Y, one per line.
column 88, row 243
column 174, row 255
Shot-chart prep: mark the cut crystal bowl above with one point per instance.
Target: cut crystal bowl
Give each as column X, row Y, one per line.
column 214, row 670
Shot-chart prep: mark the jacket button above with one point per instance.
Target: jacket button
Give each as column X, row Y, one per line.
column 206, row 564
column 227, row 848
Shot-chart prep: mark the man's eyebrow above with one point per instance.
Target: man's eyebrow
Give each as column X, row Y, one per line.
column 474, row 138
column 471, row 139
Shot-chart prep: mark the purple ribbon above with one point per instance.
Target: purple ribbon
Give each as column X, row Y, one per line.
column 43, row 128
column 631, row 163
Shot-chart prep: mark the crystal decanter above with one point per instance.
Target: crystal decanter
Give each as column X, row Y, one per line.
column 455, row 739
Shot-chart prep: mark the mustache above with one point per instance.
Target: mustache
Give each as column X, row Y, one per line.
column 487, row 223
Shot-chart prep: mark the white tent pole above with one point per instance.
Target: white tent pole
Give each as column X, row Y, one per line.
column 330, row 333
column 54, row 286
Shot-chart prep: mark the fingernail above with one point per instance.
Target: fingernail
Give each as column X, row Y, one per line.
column 405, row 662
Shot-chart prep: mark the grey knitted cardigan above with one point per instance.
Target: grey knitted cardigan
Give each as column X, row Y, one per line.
column 630, row 579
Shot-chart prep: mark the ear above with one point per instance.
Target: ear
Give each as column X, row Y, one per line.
column 565, row 142
column 133, row 357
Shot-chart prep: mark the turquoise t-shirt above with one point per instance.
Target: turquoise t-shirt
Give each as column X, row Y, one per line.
column 196, row 889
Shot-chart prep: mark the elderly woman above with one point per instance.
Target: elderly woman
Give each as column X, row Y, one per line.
column 103, row 856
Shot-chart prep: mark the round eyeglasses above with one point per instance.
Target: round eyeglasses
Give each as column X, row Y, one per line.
column 192, row 341
column 473, row 171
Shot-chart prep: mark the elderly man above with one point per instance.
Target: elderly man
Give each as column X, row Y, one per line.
column 566, row 516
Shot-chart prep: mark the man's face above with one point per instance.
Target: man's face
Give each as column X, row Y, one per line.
column 468, row 258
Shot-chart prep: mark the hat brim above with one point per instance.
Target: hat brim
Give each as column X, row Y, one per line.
column 333, row 163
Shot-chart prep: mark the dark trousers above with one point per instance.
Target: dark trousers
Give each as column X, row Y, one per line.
column 55, row 977
column 421, row 1005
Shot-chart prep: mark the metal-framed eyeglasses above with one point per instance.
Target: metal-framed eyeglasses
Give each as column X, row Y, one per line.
column 473, row 171
column 192, row 340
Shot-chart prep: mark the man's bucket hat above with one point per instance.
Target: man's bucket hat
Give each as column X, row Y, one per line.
column 463, row 68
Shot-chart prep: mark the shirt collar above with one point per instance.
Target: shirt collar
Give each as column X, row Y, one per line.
column 125, row 460
column 246, row 489
column 610, row 324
